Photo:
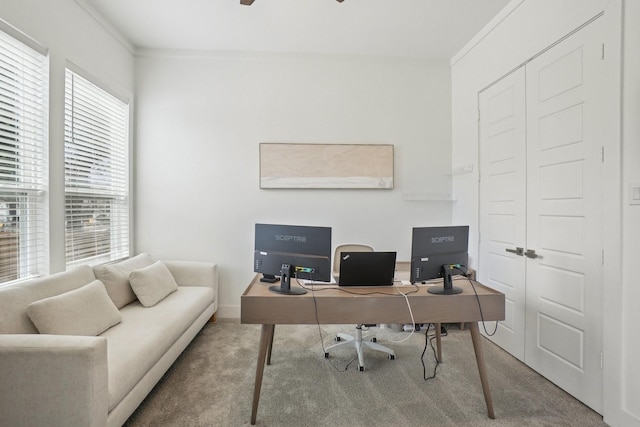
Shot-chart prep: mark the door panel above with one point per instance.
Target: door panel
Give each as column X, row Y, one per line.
column 564, row 217
column 540, row 187
column 502, row 198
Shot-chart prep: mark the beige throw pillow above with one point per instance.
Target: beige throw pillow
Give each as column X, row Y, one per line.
column 84, row 311
column 153, row 283
column 116, row 278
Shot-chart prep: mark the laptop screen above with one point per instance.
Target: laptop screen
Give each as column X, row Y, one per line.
column 367, row 268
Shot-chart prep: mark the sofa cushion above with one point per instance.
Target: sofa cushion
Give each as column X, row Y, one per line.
column 153, row 283
column 14, row 299
column 145, row 335
column 84, row 311
column 116, row 278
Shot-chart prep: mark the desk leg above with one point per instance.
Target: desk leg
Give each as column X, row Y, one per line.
column 273, row 332
column 266, row 337
column 477, row 347
column 438, row 327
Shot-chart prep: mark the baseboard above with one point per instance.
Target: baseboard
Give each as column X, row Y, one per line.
column 228, row 312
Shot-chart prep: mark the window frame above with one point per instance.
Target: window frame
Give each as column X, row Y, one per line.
column 96, row 189
column 24, row 140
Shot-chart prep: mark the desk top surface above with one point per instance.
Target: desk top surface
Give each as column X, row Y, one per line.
column 327, row 304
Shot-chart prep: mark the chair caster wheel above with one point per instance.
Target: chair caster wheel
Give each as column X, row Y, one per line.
column 361, row 368
column 326, row 355
column 374, row 339
column 392, row 357
column 338, row 338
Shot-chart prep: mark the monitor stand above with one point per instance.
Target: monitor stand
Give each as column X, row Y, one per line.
column 285, row 283
column 447, row 288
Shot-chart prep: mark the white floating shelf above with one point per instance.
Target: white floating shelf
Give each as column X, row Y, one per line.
column 462, row 169
column 441, row 197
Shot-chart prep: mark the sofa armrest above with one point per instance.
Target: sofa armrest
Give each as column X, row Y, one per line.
column 53, row 380
column 195, row 273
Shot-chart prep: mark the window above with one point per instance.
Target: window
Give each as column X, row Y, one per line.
column 23, row 118
column 96, row 173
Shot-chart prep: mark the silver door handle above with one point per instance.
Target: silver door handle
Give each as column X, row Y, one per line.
column 531, row 253
column 517, row 251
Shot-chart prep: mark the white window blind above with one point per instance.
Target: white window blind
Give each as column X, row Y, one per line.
column 96, row 173
column 23, row 175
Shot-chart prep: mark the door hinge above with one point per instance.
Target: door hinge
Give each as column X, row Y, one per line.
column 602, row 52
column 602, row 257
column 602, row 154
column 601, row 360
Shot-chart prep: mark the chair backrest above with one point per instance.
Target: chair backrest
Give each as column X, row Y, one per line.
column 347, row 247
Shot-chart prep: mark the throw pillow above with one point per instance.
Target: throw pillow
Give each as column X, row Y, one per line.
column 87, row 311
column 153, row 283
column 116, row 278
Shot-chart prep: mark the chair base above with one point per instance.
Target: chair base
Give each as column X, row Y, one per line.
column 359, row 344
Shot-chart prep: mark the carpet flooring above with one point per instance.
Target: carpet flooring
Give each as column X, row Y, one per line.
column 211, row 384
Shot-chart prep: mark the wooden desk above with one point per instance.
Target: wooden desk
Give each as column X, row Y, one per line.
column 260, row 306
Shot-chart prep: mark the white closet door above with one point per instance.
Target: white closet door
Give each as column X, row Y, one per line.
column 564, row 216
column 503, row 203
column 541, row 170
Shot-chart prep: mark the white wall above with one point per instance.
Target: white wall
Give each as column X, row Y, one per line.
column 625, row 332
column 200, row 119
column 523, row 29
column 70, row 34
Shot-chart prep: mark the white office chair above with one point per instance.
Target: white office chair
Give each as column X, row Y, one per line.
column 357, row 341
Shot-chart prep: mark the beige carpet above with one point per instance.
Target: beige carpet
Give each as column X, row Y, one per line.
column 211, row 384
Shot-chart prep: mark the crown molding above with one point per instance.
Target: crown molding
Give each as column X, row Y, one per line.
column 113, row 31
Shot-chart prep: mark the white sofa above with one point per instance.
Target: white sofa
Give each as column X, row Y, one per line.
column 75, row 374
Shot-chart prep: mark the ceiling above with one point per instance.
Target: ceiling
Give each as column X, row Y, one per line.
column 425, row 29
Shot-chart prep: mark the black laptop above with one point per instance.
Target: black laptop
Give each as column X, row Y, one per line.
column 367, row 268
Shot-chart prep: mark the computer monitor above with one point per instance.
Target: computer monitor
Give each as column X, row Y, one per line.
column 436, row 252
column 292, row 251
